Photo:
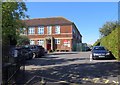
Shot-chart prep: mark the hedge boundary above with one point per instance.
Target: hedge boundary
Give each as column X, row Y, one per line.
column 112, row 42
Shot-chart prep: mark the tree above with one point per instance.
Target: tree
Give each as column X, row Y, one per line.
column 23, row 40
column 107, row 28
column 12, row 13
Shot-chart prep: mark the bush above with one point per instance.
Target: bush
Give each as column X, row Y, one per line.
column 97, row 43
column 112, row 43
column 23, row 40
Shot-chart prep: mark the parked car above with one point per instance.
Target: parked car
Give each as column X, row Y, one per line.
column 18, row 54
column 42, row 51
column 87, row 48
column 27, row 52
column 38, row 51
column 100, row 52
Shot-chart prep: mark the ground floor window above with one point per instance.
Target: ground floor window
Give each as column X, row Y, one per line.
column 41, row 42
column 32, row 42
column 57, row 41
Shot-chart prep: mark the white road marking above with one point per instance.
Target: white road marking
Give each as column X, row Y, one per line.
column 96, row 79
column 106, row 81
column 90, row 57
column 30, row 80
column 115, row 82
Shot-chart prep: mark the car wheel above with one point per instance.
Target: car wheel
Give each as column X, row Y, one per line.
column 34, row 55
column 31, row 56
column 93, row 58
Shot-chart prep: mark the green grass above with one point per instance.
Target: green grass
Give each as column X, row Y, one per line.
column 112, row 42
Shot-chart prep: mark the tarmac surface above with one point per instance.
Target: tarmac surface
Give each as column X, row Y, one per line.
column 71, row 68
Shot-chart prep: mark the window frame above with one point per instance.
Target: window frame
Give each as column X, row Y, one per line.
column 31, row 30
column 57, row 41
column 57, row 29
column 41, row 30
column 23, row 31
column 49, row 30
column 32, row 43
column 41, row 42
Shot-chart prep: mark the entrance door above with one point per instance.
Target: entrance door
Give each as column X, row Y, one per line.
column 49, row 44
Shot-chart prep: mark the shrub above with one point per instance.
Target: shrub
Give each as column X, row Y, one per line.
column 97, row 43
column 112, row 43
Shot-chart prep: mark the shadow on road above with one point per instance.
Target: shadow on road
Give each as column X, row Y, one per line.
column 51, row 61
column 62, row 53
column 73, row 73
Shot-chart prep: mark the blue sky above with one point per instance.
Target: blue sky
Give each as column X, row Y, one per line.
column 87, row 16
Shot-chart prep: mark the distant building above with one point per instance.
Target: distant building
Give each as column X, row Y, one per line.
column 55, row 33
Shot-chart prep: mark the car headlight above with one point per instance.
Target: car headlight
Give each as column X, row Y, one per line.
column 95, row 54
column 107, row 53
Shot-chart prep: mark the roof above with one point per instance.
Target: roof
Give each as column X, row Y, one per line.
column 47, row 21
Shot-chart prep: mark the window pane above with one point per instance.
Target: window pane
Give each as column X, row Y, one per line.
column 31, row 30
column 41, row 30
column 57, row 41
column 41, row 42
column 49, row 28
column 57, row 30
column 32, row 42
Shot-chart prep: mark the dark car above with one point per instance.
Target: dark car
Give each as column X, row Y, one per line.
column 87, row 48
column 18, row 54
column 42, row 51
column 100, row 52
column 37, row 50
column 27, row 52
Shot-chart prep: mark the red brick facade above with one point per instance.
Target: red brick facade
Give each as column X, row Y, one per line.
column 67, row 38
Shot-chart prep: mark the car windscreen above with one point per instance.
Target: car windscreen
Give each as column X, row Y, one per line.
column 99, row 48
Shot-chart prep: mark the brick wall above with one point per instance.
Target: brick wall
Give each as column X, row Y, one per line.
column 66, row 33
column 62, row 46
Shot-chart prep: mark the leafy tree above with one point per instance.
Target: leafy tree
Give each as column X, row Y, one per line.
column 107, row 28
column 23, row 40
column 12, row 13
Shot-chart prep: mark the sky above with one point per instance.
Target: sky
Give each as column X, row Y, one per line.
column 87, row 16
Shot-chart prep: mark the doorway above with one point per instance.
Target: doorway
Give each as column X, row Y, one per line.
column 49, row 44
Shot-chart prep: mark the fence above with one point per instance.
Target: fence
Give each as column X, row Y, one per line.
column 79, row 47
column 11, row 65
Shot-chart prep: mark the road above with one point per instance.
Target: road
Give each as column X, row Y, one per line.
column 72, row 67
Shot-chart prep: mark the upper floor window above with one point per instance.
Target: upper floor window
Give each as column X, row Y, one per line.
column 49, row 29
column 73, row 31
column 80, row 37
column 57, row 41
column 41, row 30
column 31, row 30
column 23, row 31
column 57, row 29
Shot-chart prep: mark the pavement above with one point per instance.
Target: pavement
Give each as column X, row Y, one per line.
column 71, row 68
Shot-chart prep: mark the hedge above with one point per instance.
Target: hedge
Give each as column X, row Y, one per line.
column 112, row 42
column 97, row 43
